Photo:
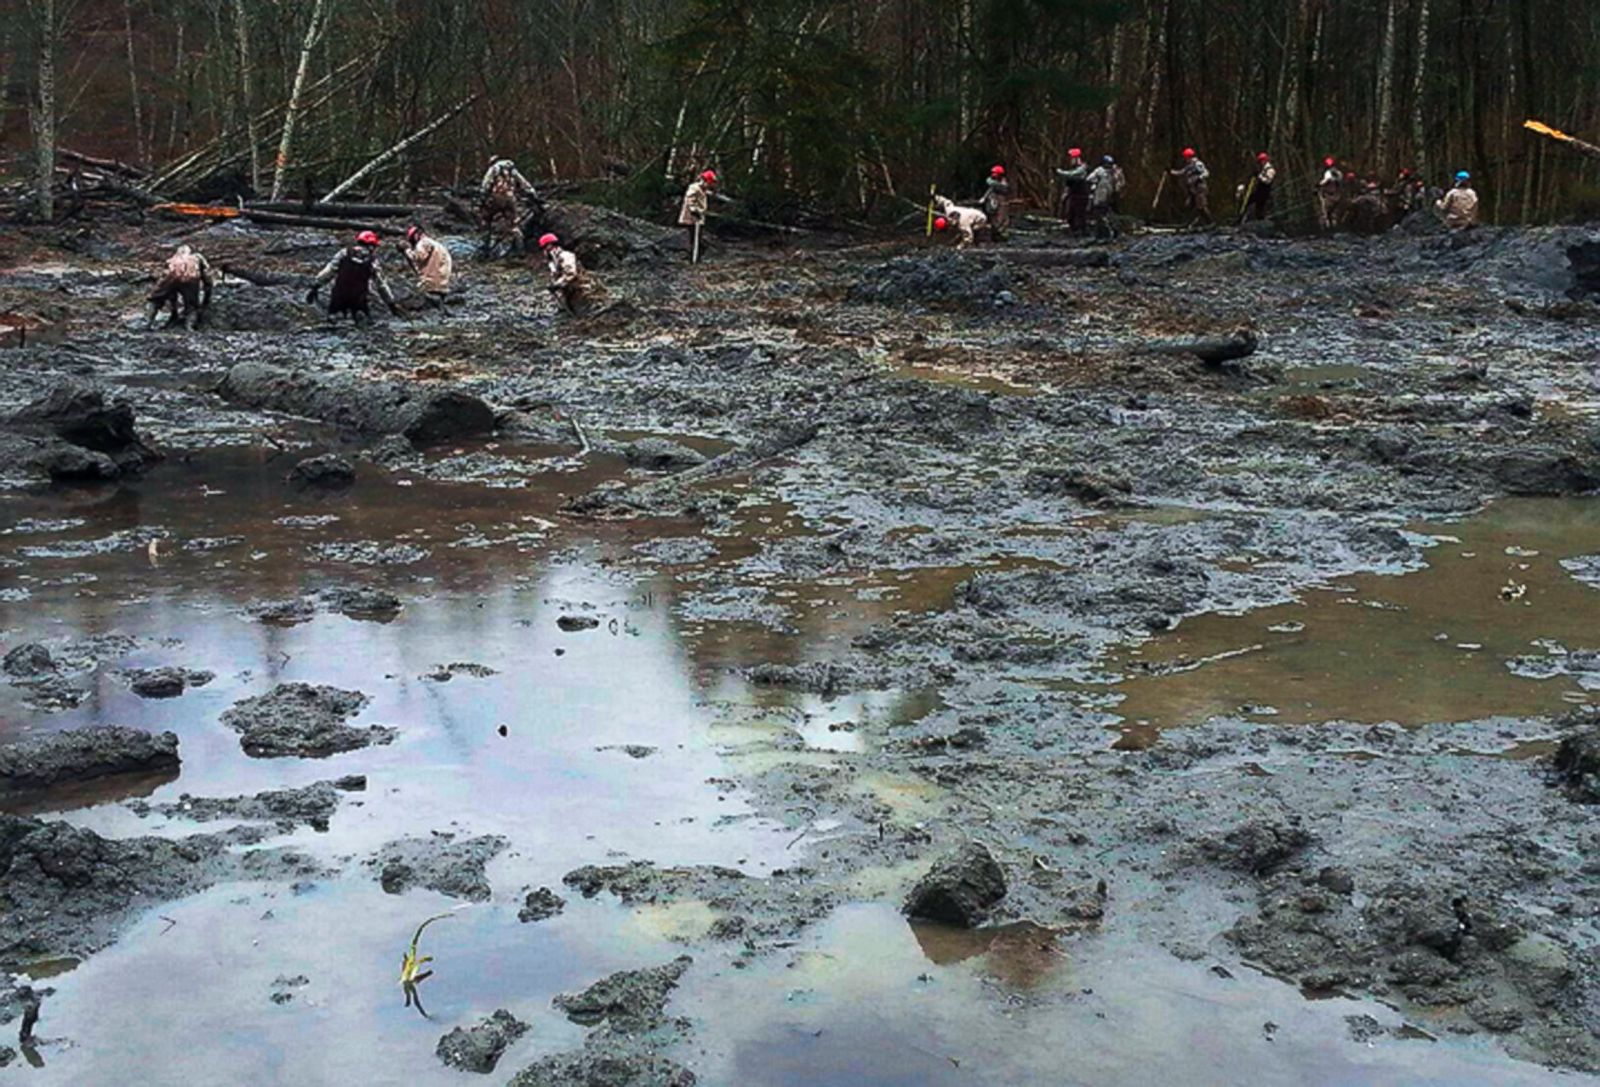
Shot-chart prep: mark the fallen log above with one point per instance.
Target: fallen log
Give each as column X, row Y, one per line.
column 196, row 211
column 1056, row 258
column 265, row 279
column 1212, row 349
column 422, row 414
column 1582, row 146
column 276, row 218
column 341, row 210
column 399, row 147
column 100, row 164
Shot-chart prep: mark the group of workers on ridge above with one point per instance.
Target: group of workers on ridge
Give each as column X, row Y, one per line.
column 1090, row 204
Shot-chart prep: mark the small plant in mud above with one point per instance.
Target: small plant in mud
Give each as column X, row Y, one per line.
column 411, row 963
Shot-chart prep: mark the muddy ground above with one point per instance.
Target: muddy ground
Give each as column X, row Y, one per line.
column 1218, row 719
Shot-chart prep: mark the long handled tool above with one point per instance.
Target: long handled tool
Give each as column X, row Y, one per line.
column 1159, row 190
column 1244, row 206
column 694, row 257
column 933, row 190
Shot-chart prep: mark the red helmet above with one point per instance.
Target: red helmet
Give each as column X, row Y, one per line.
column 1328, row 161
column 367, row 237
column 413, row 233
column 1188, row 153
column 1263, row 157
column 1350, row 176
column 941, row 223
column 1075, row 153
column 547, row 240
column 997, row 171
column 709, row 177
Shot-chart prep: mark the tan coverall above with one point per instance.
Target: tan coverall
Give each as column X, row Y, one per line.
column 1459, row 207
column 568, row 280
column 432, row 263
column 967, row 221
column 186, row 279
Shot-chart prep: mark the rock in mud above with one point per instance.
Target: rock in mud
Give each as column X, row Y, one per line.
column 420, row 413
column 310, row 805
column 74, row 432
column 439, row 864
column 85, row 753
column 283, row 987
column 959, row 890
column 302, row 719
column 479, row 1048
column 165, row 682
column 30, row 660
column 329, row 471
column 1088, row 487
column 588, row 1069
column 1577, row 765
column 282, row 613
column 629, row 1000
column 661, row 455
column 946, row 277
column 826, row 678
column 1258, row 846
column 642, row 881
column 65, row 890
column 373, row 605
column 574, row 623
column 540, row 905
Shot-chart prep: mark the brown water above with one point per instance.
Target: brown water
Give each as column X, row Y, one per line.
column 1424, row 647
column 862, row 1000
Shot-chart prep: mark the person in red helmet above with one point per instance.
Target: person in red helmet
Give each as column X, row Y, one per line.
column 996, row 201
column 355, row 273
column 569, row 283
column 1330, row 193
column 1075, row 190
column 966, row 221
column 1196, row 179
column 431, row 261
column 1258, row 194
column 695, row 207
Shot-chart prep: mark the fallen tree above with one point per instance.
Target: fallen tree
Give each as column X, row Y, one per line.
column 422, row 414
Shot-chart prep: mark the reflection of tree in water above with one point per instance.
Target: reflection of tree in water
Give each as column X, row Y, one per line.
column 1021, row 955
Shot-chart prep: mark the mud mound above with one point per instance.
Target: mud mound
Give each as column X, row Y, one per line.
column 370, row 407
column 245, row 308
column 945, row 278
column 81, row 754
column 304, row 720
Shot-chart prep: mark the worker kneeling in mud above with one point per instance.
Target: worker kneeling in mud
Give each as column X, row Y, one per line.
column 187, row 280
column 432, row 262
column 966, row 221
column 569, row 283
column 355, row 273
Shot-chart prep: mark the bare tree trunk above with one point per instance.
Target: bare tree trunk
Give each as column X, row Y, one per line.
column 1385, row 89
column 683, row 111
column 1109, row 135
column 178, row 109
column 42, row 110
column 141, row 149
column 1419, row 84
column 398, row 148
column 280, row 166
column 241, row 33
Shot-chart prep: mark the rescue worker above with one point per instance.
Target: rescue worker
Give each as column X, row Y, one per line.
column 696, row 205
column 995, row 205
column 501, row 192
column 355, row 272
column 432, row 263
column 1459, row 206
column 1330, row 190
column 1196, row 180
column 1075, row 180
column 1259, row 204
column 1367, row 213
column 187, row 279
column 967, row 221
column 569, row 283
column 1106, row 182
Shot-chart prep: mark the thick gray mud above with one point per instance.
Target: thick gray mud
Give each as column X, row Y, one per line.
column 658, row 656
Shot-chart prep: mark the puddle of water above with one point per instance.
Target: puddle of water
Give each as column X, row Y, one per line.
column 869, row 1001
column 1428, row 646
column 1308, row 378
column 967, row 379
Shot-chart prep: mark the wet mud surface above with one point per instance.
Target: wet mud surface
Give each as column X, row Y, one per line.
column 879, row 666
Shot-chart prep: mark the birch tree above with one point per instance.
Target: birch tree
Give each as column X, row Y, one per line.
column 292, row 113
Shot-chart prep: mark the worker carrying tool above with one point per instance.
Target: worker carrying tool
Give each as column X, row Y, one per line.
column 432, row 263
column 1258, row 191
column 1196, row 179
column 500, row 208
column 1459, row 206
column 996, row 201
column 965, row 221
column 186, row 280
column 355, row 274
column 569, row 283
column 695, row 207
column 1075, row 183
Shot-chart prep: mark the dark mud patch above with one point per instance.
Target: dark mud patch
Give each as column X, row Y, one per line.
column 304, row 720
column 438, row 863
column 76, row 755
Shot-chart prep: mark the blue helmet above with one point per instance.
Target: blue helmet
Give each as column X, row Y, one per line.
column 1109, row 161
column 1462, row 175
